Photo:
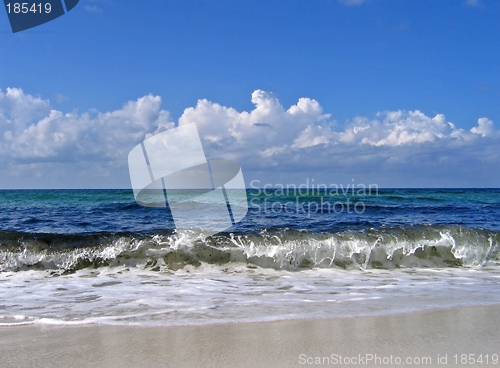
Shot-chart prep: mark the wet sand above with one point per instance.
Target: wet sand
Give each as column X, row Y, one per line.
column 293, row 343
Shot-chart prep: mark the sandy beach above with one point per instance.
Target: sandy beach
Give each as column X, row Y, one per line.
column 419, row 338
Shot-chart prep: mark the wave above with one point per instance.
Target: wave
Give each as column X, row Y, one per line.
column 430, row 246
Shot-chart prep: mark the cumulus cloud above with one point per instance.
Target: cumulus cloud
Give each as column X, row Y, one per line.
column 268, row 139
column 484, row 127
column 31, row 131
column 231, row 133
column 398, row 128
column 271, row 130
column 303, row 138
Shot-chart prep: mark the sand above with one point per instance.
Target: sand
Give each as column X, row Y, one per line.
column 294, row 343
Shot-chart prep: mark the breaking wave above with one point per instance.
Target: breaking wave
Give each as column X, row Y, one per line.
column 280, row 249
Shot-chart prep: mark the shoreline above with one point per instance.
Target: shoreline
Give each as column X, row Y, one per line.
column 286, row 343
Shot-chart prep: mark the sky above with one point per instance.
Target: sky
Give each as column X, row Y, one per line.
column 398, row 93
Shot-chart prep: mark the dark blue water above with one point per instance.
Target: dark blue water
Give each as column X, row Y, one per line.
column 115, row 211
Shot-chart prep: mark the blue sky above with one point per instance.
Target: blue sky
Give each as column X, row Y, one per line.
column 376, row 78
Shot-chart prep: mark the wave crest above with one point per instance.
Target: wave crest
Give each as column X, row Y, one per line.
column 288, row 249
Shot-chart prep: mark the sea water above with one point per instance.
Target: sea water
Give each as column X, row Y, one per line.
column 95, row 256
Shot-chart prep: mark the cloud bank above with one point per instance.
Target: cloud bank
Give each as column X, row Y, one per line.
column 271, row 142
column 31, row 131
column 303, row 138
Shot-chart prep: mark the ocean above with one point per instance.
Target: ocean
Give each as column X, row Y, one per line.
column 95, row 256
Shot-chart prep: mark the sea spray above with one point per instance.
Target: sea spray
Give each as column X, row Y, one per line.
column 280, row 249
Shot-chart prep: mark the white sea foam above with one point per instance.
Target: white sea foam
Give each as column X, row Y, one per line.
column 282, row 249
column 211, row 294
column 189, row 278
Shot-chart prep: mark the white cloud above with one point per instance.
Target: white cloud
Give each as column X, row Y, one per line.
column 302, row 138
column 484, row 127
column 271, row 130
column 31, row 131
column 397, row 128
column 312, row 136
column 19, row 109
column 230, row 133
column 270, row 139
